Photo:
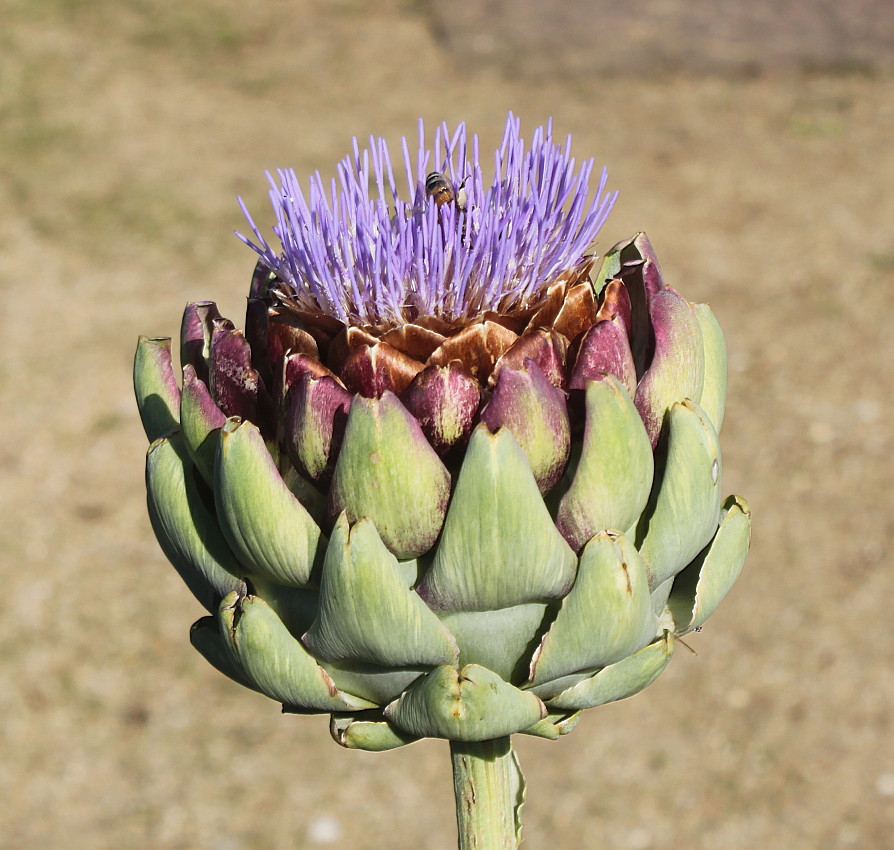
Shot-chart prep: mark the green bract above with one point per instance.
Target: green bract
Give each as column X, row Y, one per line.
column 459, row 528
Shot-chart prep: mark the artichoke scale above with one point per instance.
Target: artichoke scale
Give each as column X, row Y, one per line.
column 378, row 685
column 713, row 395
column 617, row 681
column 613, row 477
column 677, row 368
column 367, row 612
column 470, row 704
column 684, row 508
column 554, row 725
column 499, row 546
column 206, row 638
column 201, row 420
column 701, row 587
column 367, row 730
column 501, row 640
column 186, row 525
column 316, row 410
column 196, row 330
column 604, row 350
column 275, row 662
column 388, row 472
column 269, row 529
column 605, row 617
column 155, row 387
column 536, row 411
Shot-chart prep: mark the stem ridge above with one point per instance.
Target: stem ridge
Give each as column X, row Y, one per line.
column 489, row 792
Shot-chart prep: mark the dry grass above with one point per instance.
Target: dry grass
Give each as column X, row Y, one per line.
column 127, row 131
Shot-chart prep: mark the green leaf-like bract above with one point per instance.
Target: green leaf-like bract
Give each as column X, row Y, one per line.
column 158, row 398
column 388, row 472
column 613, row 478
column 684, row 509
column 268, row 528
column 618, row 681
column 275, row 662
column 185, row 525
column 367, row 612
column 701, row 587
column 606, row 616
column 481, row 563
column 471, row 704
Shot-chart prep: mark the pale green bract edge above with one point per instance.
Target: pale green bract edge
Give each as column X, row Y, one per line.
column 479, row 565
column 618, row 681
column 275, row 661
column 471, row 704
column 613, row 477
column 606, row 616
column 356, row 732
column 684, row 510
column 266, row 526
column 713, row 395
column 155, row 387
column 185, row 526
column 701, row 587
column 367, row 612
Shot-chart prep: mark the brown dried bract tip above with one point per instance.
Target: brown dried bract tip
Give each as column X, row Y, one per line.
column 320, row 326
column 370, row 359
column 578, row 311
column 549, row 308
column 615, row 302
column 344, row 343
column 433, row 323
column 513, row 323
column 545, row 346
column 373, row 370
column 283, row 339
column 414, row 340
column 477, row 347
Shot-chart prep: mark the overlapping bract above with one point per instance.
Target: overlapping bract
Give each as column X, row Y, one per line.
column 459, row 530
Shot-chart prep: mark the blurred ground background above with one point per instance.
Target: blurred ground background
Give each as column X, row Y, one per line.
column 760, row 161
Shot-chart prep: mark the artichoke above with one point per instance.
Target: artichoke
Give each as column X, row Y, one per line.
column 459, row 477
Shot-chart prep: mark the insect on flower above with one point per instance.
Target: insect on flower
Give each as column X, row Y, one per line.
column 438, row 188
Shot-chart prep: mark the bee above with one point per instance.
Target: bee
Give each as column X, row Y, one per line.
column 439, row 189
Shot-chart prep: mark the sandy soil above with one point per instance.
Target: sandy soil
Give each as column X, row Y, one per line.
column 127, row 131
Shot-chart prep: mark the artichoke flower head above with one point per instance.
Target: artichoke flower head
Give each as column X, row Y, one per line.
column 459, row 476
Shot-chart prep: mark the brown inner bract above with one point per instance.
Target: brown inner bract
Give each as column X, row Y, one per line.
column 372, row 360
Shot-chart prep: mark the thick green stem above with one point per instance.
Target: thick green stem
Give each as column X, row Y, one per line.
column 489, row 790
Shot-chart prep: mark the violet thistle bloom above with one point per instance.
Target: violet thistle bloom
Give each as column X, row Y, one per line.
column 460, row 476
column 361, row 253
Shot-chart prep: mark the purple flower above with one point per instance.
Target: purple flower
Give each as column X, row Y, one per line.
column 361, row 253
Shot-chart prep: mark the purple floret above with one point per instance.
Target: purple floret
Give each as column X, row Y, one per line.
column 374, row 258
